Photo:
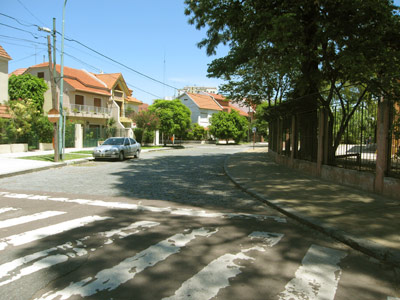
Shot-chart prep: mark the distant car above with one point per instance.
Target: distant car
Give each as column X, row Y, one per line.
column 118, row 148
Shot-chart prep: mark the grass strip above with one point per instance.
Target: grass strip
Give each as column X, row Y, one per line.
column 50, row 157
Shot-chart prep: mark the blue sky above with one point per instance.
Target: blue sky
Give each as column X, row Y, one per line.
column 139, row 34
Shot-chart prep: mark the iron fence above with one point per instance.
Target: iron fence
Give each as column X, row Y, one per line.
column 357, row 143
column 91, row 136
column 394, row 169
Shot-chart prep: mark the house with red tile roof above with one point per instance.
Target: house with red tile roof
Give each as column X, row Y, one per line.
column 121, row 95
column 228, row 105
column 4, row 59
column 202, row 106
column 91, row 99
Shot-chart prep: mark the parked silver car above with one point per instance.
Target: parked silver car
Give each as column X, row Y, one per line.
column 118, row 148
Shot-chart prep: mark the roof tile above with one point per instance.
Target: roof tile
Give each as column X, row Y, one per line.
column 80, row 80
column 204, row 101
column 4, row 54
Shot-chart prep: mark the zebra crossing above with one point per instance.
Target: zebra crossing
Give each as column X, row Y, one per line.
column 317, row 276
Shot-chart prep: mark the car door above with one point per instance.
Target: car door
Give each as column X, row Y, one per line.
column 134, row 146
column 128, row 147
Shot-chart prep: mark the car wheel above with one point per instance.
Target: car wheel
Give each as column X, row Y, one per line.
column 121, row 156
column 137, row 155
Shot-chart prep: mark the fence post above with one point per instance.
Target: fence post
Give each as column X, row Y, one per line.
column 278, row 136
column 382, row 143
column 293, row 140
column 78, row 136
column 321, row 151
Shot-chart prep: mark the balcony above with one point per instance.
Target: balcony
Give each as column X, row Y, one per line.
column 77, row 110
column 118, row 95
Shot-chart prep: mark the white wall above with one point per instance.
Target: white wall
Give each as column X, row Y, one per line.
column 185, row 99
column 3, row 80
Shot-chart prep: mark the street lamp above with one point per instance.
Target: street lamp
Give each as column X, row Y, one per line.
column 61, row 134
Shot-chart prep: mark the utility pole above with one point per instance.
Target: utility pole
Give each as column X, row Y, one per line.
column 52, row 72
column 54, row 100
column 62, row 113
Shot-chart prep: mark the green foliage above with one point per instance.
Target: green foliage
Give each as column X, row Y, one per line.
column 27, row 87
column 173, row 115
column 197, row 133
column 310, row 43
column 43, row 129
column 146, row 119
column 26, row 125
column 110, row 127
column 8, row 132
column 229, row 126
column 144, row 136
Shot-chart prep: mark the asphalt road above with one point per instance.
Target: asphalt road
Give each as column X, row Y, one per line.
column 169, row 225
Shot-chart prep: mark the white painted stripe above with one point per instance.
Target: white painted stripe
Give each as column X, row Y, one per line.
column 130, row 206
column 9, row 270
column 110, row 279
column 318, row 276
column 31, row 218
column 37, row 234
column 392, row 298
column 6, row 209
column 215, row 276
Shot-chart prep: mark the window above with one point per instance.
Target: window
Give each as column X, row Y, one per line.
column 78, row 99
column 97, row 102
column 40, row 75
column 118, row 94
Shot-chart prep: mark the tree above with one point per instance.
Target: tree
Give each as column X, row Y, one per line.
column 27, row 124
column 173, row 115
column 27, row 87
column 228, row 126
column 320, row 47
column 146, row 122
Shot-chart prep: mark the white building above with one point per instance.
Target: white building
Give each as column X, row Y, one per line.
column 4, row 58
column 202, row 107
column 197, row 90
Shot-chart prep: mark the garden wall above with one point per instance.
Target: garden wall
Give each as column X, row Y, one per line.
column 361, row 180
column 11, row 148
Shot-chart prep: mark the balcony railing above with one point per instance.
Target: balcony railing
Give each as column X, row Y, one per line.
column 86, row 109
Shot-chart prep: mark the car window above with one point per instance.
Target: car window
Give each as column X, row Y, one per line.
column 126, row 143
column 132, row 141
column 114, row 141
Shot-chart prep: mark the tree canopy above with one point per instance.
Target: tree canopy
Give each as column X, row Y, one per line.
column 316, row 45
column 227, row 126
column 174, row 117
column 27, row 87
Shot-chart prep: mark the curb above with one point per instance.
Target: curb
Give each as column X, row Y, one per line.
column 375, row 250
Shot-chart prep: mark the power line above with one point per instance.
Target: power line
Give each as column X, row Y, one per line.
column 20, row 22
column 23, row 40
column 82, row 62
column 119, row 63
column 30, row 12
column 40, row 52
column 135, row 87
column 16, row 28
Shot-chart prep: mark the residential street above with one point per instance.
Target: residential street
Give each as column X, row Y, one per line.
column 170, row 225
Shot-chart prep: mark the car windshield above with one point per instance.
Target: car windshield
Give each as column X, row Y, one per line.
column 114, row 141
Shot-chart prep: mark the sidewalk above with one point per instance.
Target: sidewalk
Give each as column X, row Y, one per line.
column 367, row 222
column 11, row 164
